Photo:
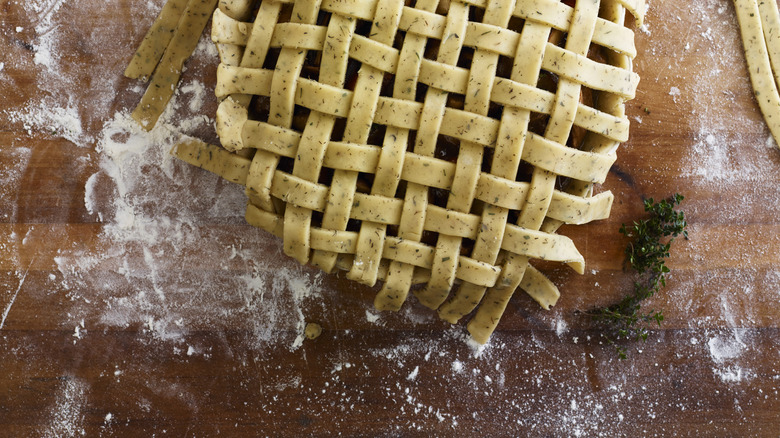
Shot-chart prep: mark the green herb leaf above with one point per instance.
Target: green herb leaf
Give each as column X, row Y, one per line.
column 645, row 255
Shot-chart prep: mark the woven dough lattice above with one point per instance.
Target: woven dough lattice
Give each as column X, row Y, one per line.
column 434, row 146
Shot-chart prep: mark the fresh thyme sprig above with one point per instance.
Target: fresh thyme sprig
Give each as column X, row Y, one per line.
column 645, row 255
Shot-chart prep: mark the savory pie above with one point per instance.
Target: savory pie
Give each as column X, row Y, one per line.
column 430, row 146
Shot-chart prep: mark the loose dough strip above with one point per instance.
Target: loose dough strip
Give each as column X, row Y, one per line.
column 770, row 21
column 215, row 159
column 168, row 71
column 156, row 40
column 757, row 57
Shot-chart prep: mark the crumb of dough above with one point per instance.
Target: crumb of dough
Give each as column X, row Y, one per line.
column 312, row 330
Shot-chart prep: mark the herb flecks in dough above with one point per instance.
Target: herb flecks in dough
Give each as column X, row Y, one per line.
column 312, row 330
column 645, row 255
column 156, row 40
column 167, row 66
column 424, row 152
column 759, row 24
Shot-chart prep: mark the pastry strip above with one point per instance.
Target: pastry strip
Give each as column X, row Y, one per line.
column 770, row 22
column 543, row 180
column 168, row 71
column 757, row 55
column 156, row 40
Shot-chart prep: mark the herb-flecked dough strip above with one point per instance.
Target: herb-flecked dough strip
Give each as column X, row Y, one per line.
column 770, row 22
column 168, row 71
column 217, row 160
column 760, row 69
column 156, row 40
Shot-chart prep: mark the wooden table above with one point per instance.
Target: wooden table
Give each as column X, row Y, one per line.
column 135, row 301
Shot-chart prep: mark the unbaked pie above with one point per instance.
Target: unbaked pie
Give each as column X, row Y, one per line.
column 430, row 146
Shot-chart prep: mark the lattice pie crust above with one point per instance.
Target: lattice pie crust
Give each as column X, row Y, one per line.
column 430, row 146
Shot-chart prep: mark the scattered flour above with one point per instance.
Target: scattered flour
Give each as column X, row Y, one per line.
column 156, row 213
column 47, row 49
column 720, row 162
column 198, row 91
column 372, row 317
column 720, row 152
column 724, row 348
column 153, row 209
column 560, row 326
column 57, row 121
column 732, row 374
column 727, row 346
column 414, row 373
column 67, row 415
column 16, row 159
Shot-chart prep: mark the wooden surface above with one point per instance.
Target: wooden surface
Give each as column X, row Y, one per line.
column 184, row 322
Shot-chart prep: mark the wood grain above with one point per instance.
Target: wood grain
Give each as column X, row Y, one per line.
column 82, row 353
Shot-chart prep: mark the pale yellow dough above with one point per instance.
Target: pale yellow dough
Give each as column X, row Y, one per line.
column 167, row 73
column 158, row 37
column 760, row 26
column 312, row 330
column 304, row 162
